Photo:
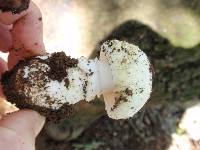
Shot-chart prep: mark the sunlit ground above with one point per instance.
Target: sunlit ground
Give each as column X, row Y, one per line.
column 187, row 135
column 76, row 26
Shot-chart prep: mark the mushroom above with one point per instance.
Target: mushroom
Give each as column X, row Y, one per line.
column 131, row 78
column 50, row 82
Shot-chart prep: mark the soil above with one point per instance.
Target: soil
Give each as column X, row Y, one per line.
column 15, row 6
column 59, row 63
column 148, row 130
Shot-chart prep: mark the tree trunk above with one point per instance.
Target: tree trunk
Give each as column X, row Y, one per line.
column 176, row 78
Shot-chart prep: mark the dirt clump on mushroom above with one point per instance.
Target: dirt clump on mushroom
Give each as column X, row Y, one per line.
column 59, row 63
column 14, row 6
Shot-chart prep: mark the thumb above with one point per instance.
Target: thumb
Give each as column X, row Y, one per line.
column 26, row 124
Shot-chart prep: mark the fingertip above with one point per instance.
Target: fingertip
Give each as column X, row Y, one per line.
column 30, row 28
column 13, row 10
column 19, row 129
column 26, row 122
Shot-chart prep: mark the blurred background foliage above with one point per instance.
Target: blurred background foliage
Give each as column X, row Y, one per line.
column 86, row 22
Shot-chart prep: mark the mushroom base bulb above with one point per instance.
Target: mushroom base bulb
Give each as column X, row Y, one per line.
column 53, row 84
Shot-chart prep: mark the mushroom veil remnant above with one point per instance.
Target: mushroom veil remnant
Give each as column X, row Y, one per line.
column 53, row 83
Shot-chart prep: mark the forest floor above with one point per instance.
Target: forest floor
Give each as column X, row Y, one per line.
column 167, row 127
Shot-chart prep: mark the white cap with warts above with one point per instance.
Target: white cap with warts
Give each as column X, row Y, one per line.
column 132, row 78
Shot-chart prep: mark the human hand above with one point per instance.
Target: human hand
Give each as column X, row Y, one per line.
column 21, row 36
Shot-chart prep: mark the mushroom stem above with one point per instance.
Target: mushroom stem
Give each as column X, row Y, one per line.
column 106, row 81
column 99, row 77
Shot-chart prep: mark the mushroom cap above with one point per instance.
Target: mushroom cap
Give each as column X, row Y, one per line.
column 132, row 78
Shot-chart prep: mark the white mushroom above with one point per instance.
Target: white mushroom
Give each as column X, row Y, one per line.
column 131, row 77
column 122, row 74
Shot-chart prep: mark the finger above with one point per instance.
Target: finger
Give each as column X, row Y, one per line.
column 3, row 68
column 25, row 125
column 5, row 37
column 12, row 10
column 27, row 34
column 8, row 18
column 30, row 40
column 25, row 122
